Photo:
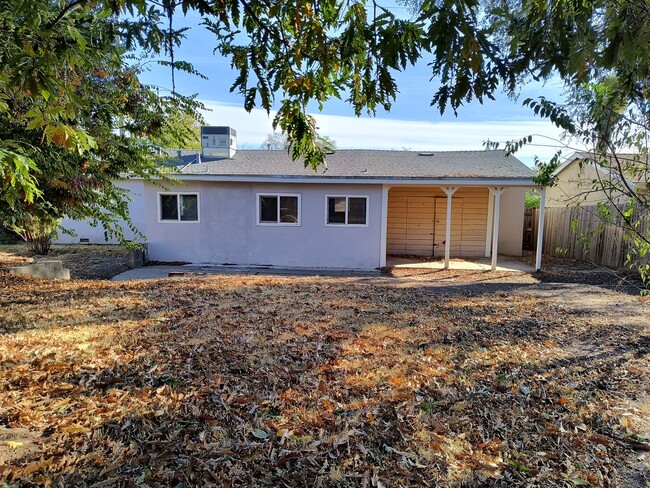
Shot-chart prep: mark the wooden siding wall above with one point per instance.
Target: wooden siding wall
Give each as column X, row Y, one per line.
column 605, row 246
column 417, row 221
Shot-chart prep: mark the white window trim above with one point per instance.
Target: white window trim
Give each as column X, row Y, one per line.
column 178, row 205
column 347, row 197
column 278, row 223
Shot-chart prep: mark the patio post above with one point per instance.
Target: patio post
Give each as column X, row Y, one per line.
column 384, row 226
column 489, row 226
column 449, row 191
column 540, row 230
column 497, row 191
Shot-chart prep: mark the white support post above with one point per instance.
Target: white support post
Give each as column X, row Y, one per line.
column 497, row 191
column 449, row 191
column 384, row 226
column 540, row 230
column 490, row 224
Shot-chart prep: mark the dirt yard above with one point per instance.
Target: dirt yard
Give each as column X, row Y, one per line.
column 455, row 378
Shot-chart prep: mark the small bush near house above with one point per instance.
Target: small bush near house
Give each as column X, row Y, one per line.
column 8, row 237
column 532, row 199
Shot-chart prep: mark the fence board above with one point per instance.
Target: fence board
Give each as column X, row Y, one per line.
column 604, row 244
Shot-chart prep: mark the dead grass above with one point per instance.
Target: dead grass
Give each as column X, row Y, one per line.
column 262, row 381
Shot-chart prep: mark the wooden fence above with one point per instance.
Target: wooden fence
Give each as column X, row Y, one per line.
column 579, row 233
column 530, row 229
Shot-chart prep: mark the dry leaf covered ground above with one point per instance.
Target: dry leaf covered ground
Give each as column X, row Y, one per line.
column 265, row 381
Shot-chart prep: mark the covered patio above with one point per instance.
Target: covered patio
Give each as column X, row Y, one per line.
column 425, row 226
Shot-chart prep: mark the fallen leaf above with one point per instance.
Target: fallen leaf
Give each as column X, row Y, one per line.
column 12, row 444
column 76, row 429
column 259, row 433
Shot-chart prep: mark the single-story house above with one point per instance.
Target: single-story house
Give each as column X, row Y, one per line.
column 258, row 207
column 579, row 180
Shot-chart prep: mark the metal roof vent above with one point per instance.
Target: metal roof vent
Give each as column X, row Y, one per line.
column 425, row 154
column 218, row 142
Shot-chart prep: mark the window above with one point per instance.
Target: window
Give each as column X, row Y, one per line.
column 179, row 207
column 278, row 209
column 346, row 210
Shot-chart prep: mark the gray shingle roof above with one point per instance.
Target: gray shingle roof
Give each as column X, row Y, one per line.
column 370, row 164
column 181, row 157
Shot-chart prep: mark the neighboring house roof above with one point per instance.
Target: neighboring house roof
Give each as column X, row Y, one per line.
column 363, row 164
column 626, row 160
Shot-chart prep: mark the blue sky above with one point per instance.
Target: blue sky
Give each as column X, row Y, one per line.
column 411, row 124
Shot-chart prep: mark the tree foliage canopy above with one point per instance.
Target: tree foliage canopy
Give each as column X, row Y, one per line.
column 616, row 128
column 74, row 116
column 59, row 55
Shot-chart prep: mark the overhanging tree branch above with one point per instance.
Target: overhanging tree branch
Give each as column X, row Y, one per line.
column 68, row 9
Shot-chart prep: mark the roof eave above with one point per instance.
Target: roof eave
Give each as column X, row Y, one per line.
column 374, row 180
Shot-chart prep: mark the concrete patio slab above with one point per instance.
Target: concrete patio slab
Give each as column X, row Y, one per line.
column 480, row 264
column 191, row 270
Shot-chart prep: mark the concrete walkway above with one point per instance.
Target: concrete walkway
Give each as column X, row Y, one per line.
column 157, row 272
column 480, row 264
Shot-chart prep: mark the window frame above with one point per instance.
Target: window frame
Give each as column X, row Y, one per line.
column 347, row 210
column 258, row 216
column 178, row 207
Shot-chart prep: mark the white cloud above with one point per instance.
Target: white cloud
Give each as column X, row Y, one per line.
column 381, row 133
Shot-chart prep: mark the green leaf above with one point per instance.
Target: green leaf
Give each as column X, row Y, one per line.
column 579, row 482
column 519, row 467
column 259, row 434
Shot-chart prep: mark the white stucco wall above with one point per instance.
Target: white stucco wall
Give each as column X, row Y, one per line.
column 84, row 230
column 511, row 221
column 228, row 232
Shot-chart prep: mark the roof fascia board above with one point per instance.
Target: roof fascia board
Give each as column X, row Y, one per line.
column 568, row 161
column 348, row 180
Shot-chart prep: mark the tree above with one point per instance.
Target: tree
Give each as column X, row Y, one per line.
column 615, row 127
column 80, row 185
column 280, row 140
column 74, row 118
column 300, row 52
column 275, row 141
column 533, row 199
column 327, row 143
column 183, row 131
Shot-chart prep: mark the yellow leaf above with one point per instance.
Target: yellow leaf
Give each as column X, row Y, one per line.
column 12, row 444
column 59, row 136
column 76, row 429
column 459, row 406
column 60, row 404
column 336, row 475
